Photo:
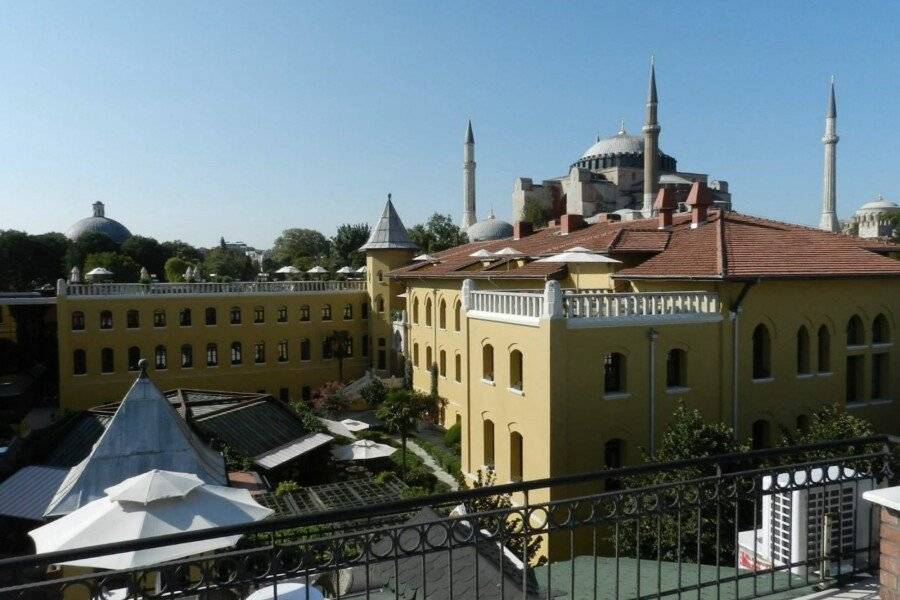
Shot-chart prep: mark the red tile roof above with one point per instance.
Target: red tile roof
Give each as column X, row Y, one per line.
column 728, row 246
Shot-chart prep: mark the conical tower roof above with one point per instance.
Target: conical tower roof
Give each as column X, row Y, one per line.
column 146, row 433
column 389, row 234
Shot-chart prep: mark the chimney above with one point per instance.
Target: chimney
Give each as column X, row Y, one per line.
column 608, row 218
column 699, row 199
column 570, row 223
column 522, row 229
column 664, row 206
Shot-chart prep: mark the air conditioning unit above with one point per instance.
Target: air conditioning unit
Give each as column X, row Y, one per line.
column 795, row 513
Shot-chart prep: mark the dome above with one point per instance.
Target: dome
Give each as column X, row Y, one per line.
column 621, row 143
column 880, row 203
column 491, row 228
column 621, row 150
column 99, row 223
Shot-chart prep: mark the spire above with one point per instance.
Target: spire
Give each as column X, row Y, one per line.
column 831, row 113
column 389, row 233
column 621, row 128
column 651, row 92
column 829, row 220
column 651, row 145
column 470, row 138
column 468, row 214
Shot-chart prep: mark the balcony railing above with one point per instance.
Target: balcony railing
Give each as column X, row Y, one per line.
column 646, row 304
column 702, row 528
column 520, row 304
column 198, row 289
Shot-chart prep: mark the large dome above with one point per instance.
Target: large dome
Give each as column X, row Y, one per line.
column 99, row 223
column 621, row 150
column 621, row 143
column 879, row 203
column 491, row 228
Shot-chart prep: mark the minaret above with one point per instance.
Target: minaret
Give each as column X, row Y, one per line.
column 651, row 146
column 468, row 216
column 829, row 220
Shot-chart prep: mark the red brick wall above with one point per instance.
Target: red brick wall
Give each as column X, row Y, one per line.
column 889, row 563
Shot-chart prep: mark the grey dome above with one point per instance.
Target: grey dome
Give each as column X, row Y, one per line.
column 879, row 203
column 621, row 143
column 491, row 228
column 99, row 223
column 621, row 150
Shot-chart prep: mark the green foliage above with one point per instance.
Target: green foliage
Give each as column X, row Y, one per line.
column 286, row 487
column 453, row 436
column 438, row 233
column 146, row 252
column 346, row 243
column 307, row 416
column 830, row 423
column 124, row 269
column 228, row 264
column 296, row 243
column 339, row 340
column 689, row 436
column 89, row 243
column 400, row 412
column 535, row 213
column 330, row 400
column 384, row 477
column 29, row 261
column 182, row 250
column 174, row 269
column 374, row 393
column 447, row 459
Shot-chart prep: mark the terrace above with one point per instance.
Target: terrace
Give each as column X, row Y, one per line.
column 657, row 530
column 236, row 288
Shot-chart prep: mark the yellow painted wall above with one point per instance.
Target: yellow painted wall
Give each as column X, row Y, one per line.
column 7, row 324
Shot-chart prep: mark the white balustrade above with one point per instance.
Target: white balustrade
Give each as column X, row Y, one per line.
column 518, row 304
column 646, row 304
column 236, row 287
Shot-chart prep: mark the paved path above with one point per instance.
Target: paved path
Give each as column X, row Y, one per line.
column 440, row 473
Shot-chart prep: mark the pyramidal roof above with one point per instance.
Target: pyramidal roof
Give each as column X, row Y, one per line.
column 390, row 232
column 145, row 433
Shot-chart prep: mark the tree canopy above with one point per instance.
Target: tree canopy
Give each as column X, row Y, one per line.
column 225, row 263
column 29, row 261
column 346, row 243
column 124, row 268
column 182, row 250
column 437, row 233
column 536, row 214
column 296, row 244
column 146, row 252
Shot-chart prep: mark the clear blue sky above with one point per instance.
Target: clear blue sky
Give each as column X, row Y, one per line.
column 193, row 120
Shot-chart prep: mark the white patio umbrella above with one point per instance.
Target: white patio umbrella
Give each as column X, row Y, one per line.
column 508, row 252
column 147, row 505
column 288, row 270
column 425, row 258
column 99, row 272
column 289, row 590
column 354, row 425
column 362, row 450
column 362, row 269
column 344, row 270
column 482, row 254
column 317, row 270
column 578, row 255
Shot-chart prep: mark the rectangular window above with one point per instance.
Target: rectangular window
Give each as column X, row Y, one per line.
column 326, row 312
column 854, row 378
column 133, row 319
column 880, row 376
column 365, row 345
column 77, row 321
column 304, row 349
column 304, row 313
column 159, row 318
column 236, row 353
column 327, row 351
column 282, row 351
column 259, row 315
column 348, row 348
column 212, row 355
column 259, row 353
column 364, row 310
column 282, row 314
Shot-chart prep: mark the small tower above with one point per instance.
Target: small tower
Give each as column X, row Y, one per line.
column 651, row 146
column 829, row 220
column 468, row 217
column 98, row 209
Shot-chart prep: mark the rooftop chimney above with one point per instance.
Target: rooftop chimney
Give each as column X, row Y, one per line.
column 664, row 206
column 570, row 223
column 608, row 218
column 699, row 199
column 522, row 229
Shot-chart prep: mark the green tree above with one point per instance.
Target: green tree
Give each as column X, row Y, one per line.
column 374, row 393
column 124, row 269
column 535, row 213
column 438, row 233
column 400, row 412
column 228, row 264
column 146, row 252
column 182, row 250
column 88, row 243
column 294, row 244
column 339, row 340
column 330, row 400
column 346, row 243
column 29, row 261
column 829, row 423
column 174, row 269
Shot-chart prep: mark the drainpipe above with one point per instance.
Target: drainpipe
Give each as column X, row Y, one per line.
column 652, row 336
column 735, row 362
column 465, row 304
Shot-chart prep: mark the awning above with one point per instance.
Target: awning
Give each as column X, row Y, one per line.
column 291, row 450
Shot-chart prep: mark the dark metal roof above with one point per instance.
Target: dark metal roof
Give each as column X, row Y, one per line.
column 76, row 442
column 27, row 493
column 251, row 428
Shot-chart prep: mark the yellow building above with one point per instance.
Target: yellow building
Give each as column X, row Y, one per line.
column 563, row 364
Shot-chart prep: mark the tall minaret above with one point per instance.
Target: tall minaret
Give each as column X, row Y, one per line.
column 829, row 220
column 468, row 216
column 651, row 146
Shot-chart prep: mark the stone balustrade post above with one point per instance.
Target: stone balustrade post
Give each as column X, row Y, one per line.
column 468, row 286
column 553, row 301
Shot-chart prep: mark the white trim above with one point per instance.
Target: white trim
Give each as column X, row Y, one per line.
column 678, row 389
column 763, row 380
column 617, row 396
column 587, row 322
column 857, row 347
column 513, row 390
column 501, row 318
column 489, row 382
column 824, row 373
column 881, row 345
column 805, row 375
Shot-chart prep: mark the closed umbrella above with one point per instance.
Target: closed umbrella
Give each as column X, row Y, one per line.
column 148, row 505
column 362, row 450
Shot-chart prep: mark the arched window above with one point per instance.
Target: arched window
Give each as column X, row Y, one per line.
column 516, row 370
column 824, row 350
column 134, row 356
column 614, row 373
column 106, row 320
column 442, row 314
column 132, row 319
column 107, row 363
column 77, row 321
column 234, row 315
column 259, row 353
column 416, row 355
column 428, row 312
column 457, row 309
column 79, row 362
column 304, row 312
column 881, row 332
column 187, row 356
column 458, row 368
column 428, row 357
column 487, row 363
column 516, row 457
column 159, row 318
column 236, row 353
column 305, row 349
column 803, row 366
column 326, row 312
column 760, row 435
column 380, row 275
column 184, row 317
column 259, row 314
column 488, row 433
column 762, row 353
column 676, row 368
column 161, row 357
column 348, row 311
column 855, row 333
column 442, row 363
column 212, row 355
column 210, row 315
column 282, row 314
column 379, row 304
column 283, row 351
column 415, row 311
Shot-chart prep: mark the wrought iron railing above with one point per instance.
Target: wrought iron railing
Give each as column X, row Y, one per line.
column 234, row 287
column 651, row 531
